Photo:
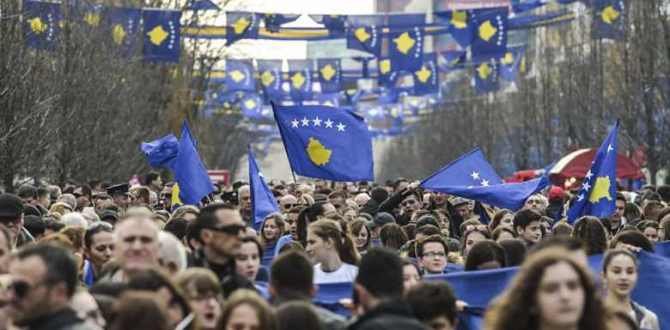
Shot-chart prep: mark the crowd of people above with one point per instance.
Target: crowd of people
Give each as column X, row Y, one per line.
column 100, row 256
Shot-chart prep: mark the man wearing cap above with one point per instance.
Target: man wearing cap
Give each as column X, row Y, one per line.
column 11, row 216
column 119, row 195
column 376, row 225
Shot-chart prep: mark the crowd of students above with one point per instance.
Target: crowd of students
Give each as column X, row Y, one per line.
column 97, row 256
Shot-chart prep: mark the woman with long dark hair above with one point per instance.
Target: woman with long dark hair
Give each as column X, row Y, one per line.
column 332, row 251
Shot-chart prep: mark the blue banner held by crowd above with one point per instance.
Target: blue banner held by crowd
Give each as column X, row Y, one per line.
column 161, row 152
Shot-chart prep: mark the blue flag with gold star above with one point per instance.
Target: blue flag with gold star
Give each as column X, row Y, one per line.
column 88, row 15
column 252, row 106
column 270, row 78
column 239, row 75
column 598, row 194
column 124, row 28
column 330, row 74
column 162, row 35
column 41, row 24
column 326, row 143
column 274, row 21
column 486, row 76
column 426, row 79
column 490, row 37
column 511, row 63
column 300, row 79
column 609, row 21
column 386, row 73
column 458, row 24
column 406, row 44
column 263, row 202
column 365, row 38
column 336, row 24
column 241, row 25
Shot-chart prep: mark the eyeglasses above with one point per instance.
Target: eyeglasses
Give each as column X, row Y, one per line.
column 22, row 288
column 229, row 229
column 289, row 206
column 434, row 254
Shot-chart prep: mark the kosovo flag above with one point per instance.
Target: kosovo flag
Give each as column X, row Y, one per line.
column 365, row 38
column 510, row 63
column 330, row 74
column 336, row 24
column 252, row 106
column 270, row 77
column 88, row 15
column 124, row 25
column 453, row 59
column 470, row 170
column 300, row 79
column 41, row 24
column 202, row 5
column 326, row 143
column 609, row 21
column 486, row 77
column 263, row 202
column 598, row 194
column 274, row 21
column 162, row 35
column 190, row 172
column 406, row 49
column 490, row 40
column 239, row 76
column 241, row 25
column 459, row 25
column 161, row 152
column 426, row 80
column 386, row 72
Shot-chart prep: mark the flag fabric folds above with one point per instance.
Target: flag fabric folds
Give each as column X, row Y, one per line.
column 459, row 25
column 486, row 76
column 330, row 74
column 598, row 193
column 336, row 24
column 124, row 25
column 490, row 34
column 263, row 202
column 300, row 79
column 609, row 21
column 241, row 25
column 270, row 77
column 239, row 76
column 202, row 5
column 453, row 59
column 274, row 21
column 190, row 172
column 41, row 24
column 365, row 38
column 510, row 63
column 426, row 79
column 326, row 143
column 161, row 152
column 162, row 35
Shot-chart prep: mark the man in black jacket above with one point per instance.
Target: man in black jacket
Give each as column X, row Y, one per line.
column 218, row 229
column 381, row 301
column 44, row 278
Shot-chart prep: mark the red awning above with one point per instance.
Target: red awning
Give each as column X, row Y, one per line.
column 577, row 163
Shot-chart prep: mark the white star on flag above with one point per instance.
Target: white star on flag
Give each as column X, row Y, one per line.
column 609, row 148
column 329, row 123
column 589, row 174
column 485, row 183
column 305, row 121
column 340, row 127
column 586, row 186
column 295, row 123
column 317, row 121
column 475, row 176
column 580, row 197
